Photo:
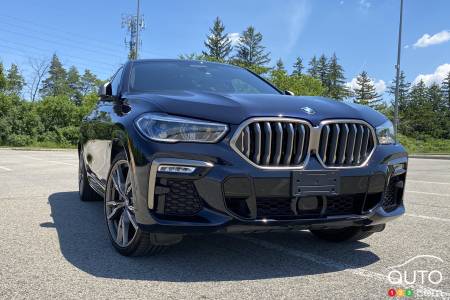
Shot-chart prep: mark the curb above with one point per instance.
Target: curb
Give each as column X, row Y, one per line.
column 430, row 156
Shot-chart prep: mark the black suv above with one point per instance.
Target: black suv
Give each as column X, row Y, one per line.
column 179, row 147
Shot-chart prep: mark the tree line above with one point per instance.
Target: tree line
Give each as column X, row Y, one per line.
column 46, row 110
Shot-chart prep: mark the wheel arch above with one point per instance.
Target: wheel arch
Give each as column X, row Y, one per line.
column 119, row 142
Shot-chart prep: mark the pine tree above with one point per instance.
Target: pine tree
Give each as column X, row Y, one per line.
column 322, row 70
column 56, row 82
column 403, row 91
column 88, row 83
column 418, row 94
column 436, row 98
column 420, row 117
column 74, row 85
column 14, row 81
column 250, row 51
column 2, row 78
column 446, row 89
column 280, row 65
column 313, row 70
column 298, row 67
column 218, row 43
column 336, row 80
column 440, row 112
column 365, row 93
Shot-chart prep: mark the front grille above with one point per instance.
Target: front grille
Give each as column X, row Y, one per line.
column 180, row 199
column 274, row 143
column 345, row 144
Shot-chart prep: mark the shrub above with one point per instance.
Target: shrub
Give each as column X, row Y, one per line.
column 69, row 134
column 19, row 140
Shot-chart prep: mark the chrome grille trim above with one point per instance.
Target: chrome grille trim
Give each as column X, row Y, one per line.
column 356, row 141
column 279, row 143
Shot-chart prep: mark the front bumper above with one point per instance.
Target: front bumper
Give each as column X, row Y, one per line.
column 226, row 194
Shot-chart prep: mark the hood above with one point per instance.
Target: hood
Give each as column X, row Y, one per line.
column 235, row 108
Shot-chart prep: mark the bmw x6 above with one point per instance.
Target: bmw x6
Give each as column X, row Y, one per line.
column 178, row 147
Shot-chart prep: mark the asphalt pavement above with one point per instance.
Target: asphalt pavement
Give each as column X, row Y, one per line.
column 54, row 246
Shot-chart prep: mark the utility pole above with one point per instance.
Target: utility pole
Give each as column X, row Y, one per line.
column 137, row 31
column 397, row 77
column 134, row 24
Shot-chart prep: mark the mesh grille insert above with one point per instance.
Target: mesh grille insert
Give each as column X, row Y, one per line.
column 274, row 207
column 392, row 194
column 182, row 198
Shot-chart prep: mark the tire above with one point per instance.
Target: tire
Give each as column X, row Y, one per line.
column 87, row 193
column 126, row 236
column 348, row 234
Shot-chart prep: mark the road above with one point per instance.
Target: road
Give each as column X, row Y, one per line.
column 54, row 246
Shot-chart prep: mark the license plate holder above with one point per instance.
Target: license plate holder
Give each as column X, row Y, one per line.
column 315, row 183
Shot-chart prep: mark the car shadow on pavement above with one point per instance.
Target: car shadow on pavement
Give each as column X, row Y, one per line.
column 84, row 243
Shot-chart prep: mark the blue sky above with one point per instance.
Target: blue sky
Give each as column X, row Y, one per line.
column 363, row 33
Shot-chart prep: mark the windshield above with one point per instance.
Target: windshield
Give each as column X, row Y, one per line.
column 198, row 76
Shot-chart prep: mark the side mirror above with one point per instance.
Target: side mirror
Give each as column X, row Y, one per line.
column 105, row 90
column 289, row 93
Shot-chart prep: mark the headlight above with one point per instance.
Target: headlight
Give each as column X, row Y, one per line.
column 385, row 133
column 172, row 129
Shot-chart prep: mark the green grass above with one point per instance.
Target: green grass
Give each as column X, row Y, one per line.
column 427, row 146
column 42, row 145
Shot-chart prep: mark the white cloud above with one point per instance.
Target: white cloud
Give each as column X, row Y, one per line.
column 234, row 37
column 435, row 39
column 437, row 77
column 380, row 85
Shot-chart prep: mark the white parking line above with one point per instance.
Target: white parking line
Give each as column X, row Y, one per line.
column 329, row 263
column 426, row 193
column 428, row 218
column 5, row 168
column 432, row 182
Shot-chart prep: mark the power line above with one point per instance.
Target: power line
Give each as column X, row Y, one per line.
column 52, row 50
column 26, row 54
column 66, row 43
column 58, row 30
column 99, row 72
column 71, row 35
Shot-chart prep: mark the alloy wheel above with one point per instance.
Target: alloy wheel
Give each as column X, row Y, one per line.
column 80, row 174
column 119, row 209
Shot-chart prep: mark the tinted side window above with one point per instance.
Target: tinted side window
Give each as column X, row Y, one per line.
column 115, row 83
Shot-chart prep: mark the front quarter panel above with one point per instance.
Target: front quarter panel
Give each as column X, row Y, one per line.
column 107, row 129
